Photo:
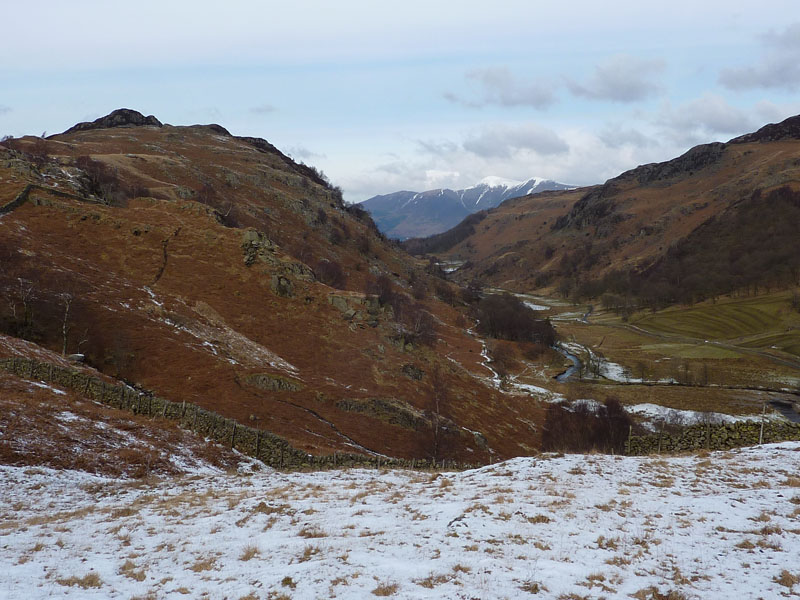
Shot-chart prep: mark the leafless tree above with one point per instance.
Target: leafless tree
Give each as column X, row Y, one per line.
column 66, row 301
column 438, row 400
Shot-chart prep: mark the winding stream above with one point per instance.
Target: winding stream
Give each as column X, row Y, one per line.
column 576, row 363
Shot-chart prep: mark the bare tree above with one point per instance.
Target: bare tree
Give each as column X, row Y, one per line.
column 26, row 295
column 66, row 302
column 438, row 400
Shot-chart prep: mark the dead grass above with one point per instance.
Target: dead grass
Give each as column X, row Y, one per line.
column 538, row 519
column 431, row 581
column 128, row 569
column 309, row 552
column 386, row 589
column 652, row 593
column 249, row 552
column 312, row 532
column 204, row 564
column 605, row 543
column 90, row 580
column 787, row 579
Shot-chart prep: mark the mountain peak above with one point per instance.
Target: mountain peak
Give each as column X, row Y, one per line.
column 411, row 214
column 122, row 117
column 494, row 181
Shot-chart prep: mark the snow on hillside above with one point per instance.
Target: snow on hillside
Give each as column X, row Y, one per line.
column 722, row 525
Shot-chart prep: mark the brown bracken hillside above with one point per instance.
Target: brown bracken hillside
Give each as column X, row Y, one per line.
column 213, row 269
column 722, row 218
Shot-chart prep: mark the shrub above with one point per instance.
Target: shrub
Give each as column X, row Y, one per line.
column 418, row 289
column 506, row 317
column 581, row 427
column 445, row 293
column 330, row 273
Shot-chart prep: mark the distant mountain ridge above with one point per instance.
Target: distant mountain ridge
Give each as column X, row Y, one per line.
column 407, row 214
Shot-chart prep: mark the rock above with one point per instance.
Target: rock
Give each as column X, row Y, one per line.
column 274, row 383
column 122, row 117
column 257, row 246
column 788, row 129
column 282, row 286
column 297, row 270
column 339, row 302
column 413, row 372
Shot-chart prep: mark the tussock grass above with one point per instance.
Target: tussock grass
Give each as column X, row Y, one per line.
column 204, row 564
column 249, row 552
column 787, row 579
column 386, row 589
column 309, row 552
column 128, row 569
column 312, row 532
column 431, row 581
column 90, row 580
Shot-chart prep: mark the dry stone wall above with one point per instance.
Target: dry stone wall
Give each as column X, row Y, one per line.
column 265, row 446
column 714, row 437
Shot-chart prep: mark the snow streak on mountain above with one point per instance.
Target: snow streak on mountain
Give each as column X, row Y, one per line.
column 408, row 214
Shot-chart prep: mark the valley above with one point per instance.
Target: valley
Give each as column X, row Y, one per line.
column 200, row 341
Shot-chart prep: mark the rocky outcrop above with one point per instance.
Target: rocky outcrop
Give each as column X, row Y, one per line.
column 122, row 117
column 273, row 383
column 256, row 246
column 697, row 158
column 593, row 208
column 774, row 132
column 392, row 411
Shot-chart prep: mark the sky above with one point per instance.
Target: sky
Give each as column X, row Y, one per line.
column 415, row 95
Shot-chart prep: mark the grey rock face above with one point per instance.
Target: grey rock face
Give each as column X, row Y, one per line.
column 122, row 117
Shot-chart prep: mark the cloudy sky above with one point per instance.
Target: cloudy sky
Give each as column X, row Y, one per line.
column 415, row 95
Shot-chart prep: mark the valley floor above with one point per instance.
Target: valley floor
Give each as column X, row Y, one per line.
column 719, row 525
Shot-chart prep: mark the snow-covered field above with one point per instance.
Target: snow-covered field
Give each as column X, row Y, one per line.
column 724, row 525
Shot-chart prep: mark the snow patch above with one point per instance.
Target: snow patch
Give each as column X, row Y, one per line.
column 43, row 385
column 636, row 520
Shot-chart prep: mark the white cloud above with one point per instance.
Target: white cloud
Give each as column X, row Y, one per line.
column 499, row 86
column 778, row 68
column 622, row 78
column 617, row 136
column 704, row 119
column 770, row 112
column 303, row 153
column 263, row 109
column 501, row 141
column 585, row 158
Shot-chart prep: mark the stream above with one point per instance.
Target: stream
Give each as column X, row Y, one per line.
column 576, row 364
column 787, row 409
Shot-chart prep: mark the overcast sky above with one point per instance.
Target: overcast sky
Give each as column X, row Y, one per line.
column 415, row 95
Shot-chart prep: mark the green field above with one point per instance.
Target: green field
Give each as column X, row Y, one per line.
column 788, row 342
column 733, row 343
column 731, row 319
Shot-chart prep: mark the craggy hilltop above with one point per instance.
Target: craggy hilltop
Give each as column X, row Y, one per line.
column 208, row 278
column 212, row 269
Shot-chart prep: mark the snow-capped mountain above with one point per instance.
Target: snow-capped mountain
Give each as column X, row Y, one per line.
column 418, row 214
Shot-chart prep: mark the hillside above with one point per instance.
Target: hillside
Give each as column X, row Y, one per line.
column 716, row 526
column 212, row 269
column 716, row 220
column 418, row 214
